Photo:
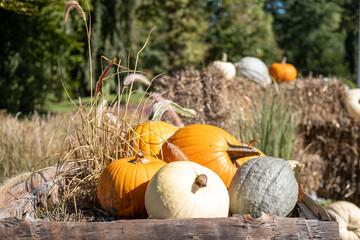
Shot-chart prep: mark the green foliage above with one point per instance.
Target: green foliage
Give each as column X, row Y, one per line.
column 68, row 106
column 179, row 38
column 32, row 49
column 273, row 123
column 311, row 35
column 111, row 36
column 316, row 36
column 22, row 6
column 241, row 28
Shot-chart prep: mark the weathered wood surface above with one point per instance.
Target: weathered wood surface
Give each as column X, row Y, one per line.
column 24, row 197
column 310, row 209
column 236, row 227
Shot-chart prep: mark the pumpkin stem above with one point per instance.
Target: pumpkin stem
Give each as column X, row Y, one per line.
column 224, row 57
column 139, row 158
column 235, row 151
column 283, row 62
column 352, row 227
column 201, row 180
column 253, row 141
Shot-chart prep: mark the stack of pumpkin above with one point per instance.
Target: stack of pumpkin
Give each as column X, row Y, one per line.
column 196, row 171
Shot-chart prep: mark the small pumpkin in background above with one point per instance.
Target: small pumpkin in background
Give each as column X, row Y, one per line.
column 347, row 215
column 283, row 72
column 122, row 185
column 264, row 184
column 186, row 190
column 353, row 103
column 254, row 69
column 227, row 68
column 208, row 146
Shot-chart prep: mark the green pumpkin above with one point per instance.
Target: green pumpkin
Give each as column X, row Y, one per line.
column 263, row 184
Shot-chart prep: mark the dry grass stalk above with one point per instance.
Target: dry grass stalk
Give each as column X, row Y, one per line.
column 30, row 143
column 70, row 5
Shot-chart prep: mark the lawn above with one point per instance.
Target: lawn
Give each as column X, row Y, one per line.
column 68, row 105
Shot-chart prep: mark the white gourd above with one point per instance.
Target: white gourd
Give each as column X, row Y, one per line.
column 353, row 103
column 227, row 68
column 347, row 215
column 254, row 69
column 177, row 190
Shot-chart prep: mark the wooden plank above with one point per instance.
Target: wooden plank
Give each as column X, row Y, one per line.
column 236, row 227
column 316, row 211
column 37, row 179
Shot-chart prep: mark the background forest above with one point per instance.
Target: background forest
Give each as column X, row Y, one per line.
column 37, row 48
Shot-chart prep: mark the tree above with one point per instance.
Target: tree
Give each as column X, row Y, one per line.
column 179, row 38
column 349, row 22
column 22, row 6
column 33, row 46
column 310, row 33
column 112, row 35
column 241, row 28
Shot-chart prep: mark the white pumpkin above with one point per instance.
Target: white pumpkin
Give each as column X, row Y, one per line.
column 254, row 69
column 186, row 190
column 227, row 68
column 353, row 102
column 347, row 215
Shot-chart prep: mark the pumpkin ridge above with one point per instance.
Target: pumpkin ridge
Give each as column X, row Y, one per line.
column 116, row 182
column 184, row 202
column 243, row 184
column 114, row 179
column 273, row 180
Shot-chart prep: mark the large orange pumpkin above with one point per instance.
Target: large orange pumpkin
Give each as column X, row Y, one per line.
column 149, row 136
column 122, row 185
column 283, row 72
column 211, row 147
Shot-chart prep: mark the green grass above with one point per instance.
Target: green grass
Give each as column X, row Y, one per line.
column 273, row 123
column 67, row 106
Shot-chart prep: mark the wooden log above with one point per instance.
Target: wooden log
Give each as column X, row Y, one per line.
column 24, row 197
column 236, row 227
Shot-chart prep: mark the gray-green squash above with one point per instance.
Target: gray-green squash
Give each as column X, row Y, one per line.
column 263, row 184
column 254, row 69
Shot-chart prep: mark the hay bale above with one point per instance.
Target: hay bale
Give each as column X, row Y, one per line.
column 204, row 92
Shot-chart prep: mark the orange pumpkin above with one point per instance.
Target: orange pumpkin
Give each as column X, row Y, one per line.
column 283, row 72
column 211, row 147
column 148, row 137
column 122, row 185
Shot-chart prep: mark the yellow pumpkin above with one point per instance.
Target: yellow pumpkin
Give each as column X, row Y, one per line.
column 149, row 137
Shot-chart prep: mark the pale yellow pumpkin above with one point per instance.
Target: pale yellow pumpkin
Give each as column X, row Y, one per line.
column 186, row 190
column 226, row 68
column 353, row 103
column 347, row 215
